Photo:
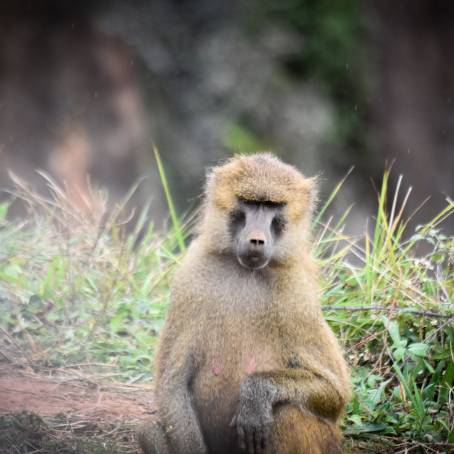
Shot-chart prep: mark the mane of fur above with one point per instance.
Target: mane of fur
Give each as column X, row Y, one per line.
column 260, row 177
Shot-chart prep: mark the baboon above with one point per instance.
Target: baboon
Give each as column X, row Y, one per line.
column 246, row 362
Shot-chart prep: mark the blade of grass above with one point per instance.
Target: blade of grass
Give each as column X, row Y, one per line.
column 173, row 215
column 332, row 196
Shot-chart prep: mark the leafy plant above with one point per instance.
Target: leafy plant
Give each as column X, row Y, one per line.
column 78, row 289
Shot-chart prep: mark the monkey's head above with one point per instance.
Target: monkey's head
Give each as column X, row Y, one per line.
column 258, row 209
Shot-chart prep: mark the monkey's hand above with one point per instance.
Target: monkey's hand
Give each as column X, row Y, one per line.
column 254, row 415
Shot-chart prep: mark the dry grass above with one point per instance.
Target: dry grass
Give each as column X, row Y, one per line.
column 81, row 291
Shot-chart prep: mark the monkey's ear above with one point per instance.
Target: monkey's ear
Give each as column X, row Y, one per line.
column 311, row 188
column 211, row 179
column 218, row 189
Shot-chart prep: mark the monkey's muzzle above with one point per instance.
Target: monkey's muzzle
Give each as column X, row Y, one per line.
column 253, row 262
column 254, row 245
column 254, row 254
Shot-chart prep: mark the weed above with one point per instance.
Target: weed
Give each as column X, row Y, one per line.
column 78, row 289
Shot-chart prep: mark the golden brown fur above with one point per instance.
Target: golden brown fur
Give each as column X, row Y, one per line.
column 234, row 335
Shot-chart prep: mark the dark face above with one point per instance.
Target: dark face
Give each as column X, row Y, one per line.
column 255, row 227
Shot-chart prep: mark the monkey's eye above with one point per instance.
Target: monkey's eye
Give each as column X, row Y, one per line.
column 278, row 224
column 237, row 222
column 237, row 218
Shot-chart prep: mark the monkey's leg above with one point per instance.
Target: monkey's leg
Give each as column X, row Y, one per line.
column 152, row 438
column 295, row 432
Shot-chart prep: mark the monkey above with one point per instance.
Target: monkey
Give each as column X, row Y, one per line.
column 246, row 362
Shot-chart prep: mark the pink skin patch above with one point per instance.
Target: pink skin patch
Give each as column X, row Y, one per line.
column 216, row 367
column 251, row 366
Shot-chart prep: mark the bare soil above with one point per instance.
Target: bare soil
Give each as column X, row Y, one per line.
column 71, row 412
column 68, row 413
column 48, row 398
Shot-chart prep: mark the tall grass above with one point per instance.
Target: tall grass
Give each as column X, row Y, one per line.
column 176, row 225
column 393, row 310
column 78, row 289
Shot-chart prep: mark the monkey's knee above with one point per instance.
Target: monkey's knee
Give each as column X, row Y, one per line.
column 295, row 432
column 152, row 439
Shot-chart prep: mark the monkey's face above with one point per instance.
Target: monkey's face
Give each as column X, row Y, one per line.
column 255, row 227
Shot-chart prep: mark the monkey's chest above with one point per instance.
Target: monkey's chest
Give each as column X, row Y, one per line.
column 229, row 359
column 216, row 387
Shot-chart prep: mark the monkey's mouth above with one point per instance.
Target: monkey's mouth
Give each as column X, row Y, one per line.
column 253, row 261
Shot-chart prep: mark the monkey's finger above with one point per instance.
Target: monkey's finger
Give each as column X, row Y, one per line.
column 241, row 438
column 250, row 442
column 265, row 435
column 258, row 441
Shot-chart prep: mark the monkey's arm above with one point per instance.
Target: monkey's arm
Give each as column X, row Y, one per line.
column 311, row 388
column 176, row 413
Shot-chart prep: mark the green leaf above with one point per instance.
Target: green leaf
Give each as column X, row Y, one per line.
column 356, row 419
column 448, row 377
column 393, row 330
column 418, row 349
column 399, row 353
column 3, row 210
column 378, row 394
column 35, row 304
column 364, row 428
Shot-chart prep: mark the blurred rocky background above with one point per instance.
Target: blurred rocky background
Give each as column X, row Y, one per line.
column 87, row 87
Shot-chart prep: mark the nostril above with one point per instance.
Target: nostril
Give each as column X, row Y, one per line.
column 256, row 238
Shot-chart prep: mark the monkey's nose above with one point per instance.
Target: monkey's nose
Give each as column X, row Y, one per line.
column 257, row 239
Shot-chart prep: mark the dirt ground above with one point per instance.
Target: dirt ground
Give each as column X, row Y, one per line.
column 68, row 412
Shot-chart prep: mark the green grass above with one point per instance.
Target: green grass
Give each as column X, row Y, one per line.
column 393, row 310
column 81, row 289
